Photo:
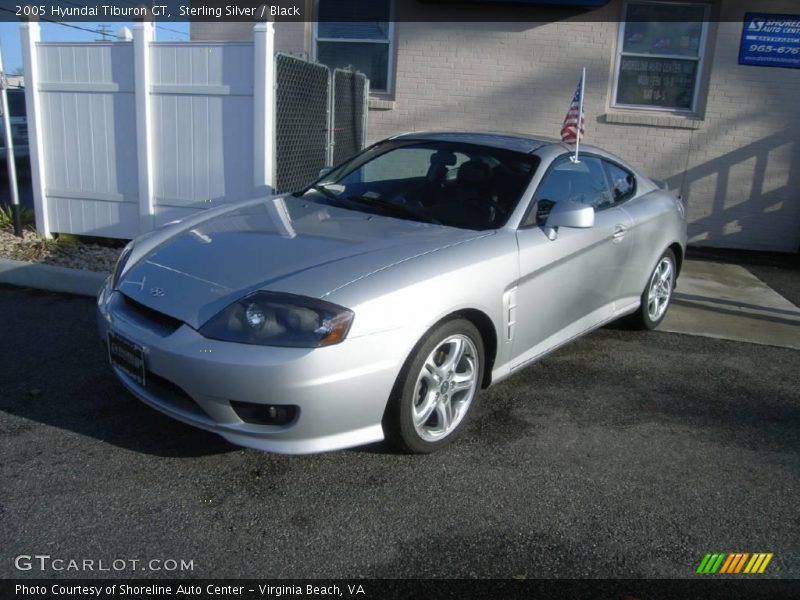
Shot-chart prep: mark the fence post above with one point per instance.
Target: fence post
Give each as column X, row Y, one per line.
column 365, row 114
column 142, row 38
column 29, row 38
column 264, row 108
column 330, row 150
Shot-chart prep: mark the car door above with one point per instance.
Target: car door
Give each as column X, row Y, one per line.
column 569, row 284
column 645, row 229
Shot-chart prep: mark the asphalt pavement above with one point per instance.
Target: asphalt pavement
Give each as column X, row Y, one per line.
column 624, row 454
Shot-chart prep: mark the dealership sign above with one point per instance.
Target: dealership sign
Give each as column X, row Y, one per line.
column 770, row 40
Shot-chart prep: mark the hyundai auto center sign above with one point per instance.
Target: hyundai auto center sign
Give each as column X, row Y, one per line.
column 770, row 40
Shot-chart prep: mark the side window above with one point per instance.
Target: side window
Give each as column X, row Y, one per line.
column 623, row 182
column 583, row 182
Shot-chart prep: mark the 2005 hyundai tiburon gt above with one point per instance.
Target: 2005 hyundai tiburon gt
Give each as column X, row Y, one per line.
column 378, row 301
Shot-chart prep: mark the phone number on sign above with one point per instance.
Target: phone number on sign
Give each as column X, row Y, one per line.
column 778, row 49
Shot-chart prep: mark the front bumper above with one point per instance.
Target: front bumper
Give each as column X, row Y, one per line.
column 340, row 391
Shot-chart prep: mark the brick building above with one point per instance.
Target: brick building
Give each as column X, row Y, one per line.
column 665, row 89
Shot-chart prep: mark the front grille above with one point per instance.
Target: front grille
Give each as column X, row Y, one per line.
column 158, row 321
column 172, row 395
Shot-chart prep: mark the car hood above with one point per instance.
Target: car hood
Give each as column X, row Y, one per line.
column 281, row 243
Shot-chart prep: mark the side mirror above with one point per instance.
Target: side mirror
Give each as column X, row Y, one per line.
column 568, row 213
column 325, row 170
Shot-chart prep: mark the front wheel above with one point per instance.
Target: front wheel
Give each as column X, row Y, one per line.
column 657, row 294
column 437, row 389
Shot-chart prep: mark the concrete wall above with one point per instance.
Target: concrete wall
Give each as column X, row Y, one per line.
column 738, row 164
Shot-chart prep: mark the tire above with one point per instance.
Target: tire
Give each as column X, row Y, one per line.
column 437, row 389
column 657, row 294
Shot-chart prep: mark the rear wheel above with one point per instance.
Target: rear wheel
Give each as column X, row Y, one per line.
column 437, row 389
column 657, row 294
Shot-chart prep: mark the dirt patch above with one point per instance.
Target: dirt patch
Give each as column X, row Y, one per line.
column 70, row 251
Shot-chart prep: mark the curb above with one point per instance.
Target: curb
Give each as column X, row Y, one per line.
column 51, row 277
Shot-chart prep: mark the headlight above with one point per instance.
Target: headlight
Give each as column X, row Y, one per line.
column 275, row 319
column 120, row 266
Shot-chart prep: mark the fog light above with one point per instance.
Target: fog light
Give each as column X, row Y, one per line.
column 265, row 414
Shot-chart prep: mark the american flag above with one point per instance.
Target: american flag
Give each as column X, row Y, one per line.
column 570, row 127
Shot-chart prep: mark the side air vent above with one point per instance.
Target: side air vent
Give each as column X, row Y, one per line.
column 510, row 305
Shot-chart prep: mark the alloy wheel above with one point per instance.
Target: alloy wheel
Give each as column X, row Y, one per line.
column 660, row 291
column 445, row 387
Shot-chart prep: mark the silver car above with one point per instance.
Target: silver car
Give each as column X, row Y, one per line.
column 378, row 302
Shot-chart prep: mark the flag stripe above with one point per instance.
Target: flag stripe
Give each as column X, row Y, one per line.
column 575, row 118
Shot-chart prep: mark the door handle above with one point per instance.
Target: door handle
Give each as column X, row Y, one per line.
column 619, row 233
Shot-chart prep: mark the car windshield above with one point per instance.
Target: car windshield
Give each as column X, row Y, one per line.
column 448, row 183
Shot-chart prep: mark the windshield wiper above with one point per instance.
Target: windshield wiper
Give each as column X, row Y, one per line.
column 398, row 209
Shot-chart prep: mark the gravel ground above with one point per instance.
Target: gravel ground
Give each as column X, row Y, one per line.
column 64, row 252
column 624, row 454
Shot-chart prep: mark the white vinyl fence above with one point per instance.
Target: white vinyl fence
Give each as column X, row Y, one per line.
column 127, row 136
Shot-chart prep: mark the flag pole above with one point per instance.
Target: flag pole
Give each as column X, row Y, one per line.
column 580, row 116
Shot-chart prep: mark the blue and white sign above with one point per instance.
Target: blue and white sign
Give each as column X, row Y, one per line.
column 770, row 40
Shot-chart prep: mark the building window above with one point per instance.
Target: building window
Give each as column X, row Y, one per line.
column 356, row 34
column 660, row 55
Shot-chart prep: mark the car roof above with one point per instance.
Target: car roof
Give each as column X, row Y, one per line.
column 508, row 141
column 544, row 147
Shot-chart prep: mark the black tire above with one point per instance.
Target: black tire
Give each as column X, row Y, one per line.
column 407, row 397
column 644, row 318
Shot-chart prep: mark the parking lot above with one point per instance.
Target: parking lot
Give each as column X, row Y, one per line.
column 624, row 454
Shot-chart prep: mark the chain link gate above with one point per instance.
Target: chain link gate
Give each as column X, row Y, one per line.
column 302, row 107
column 350, row 93
column 320, row 119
